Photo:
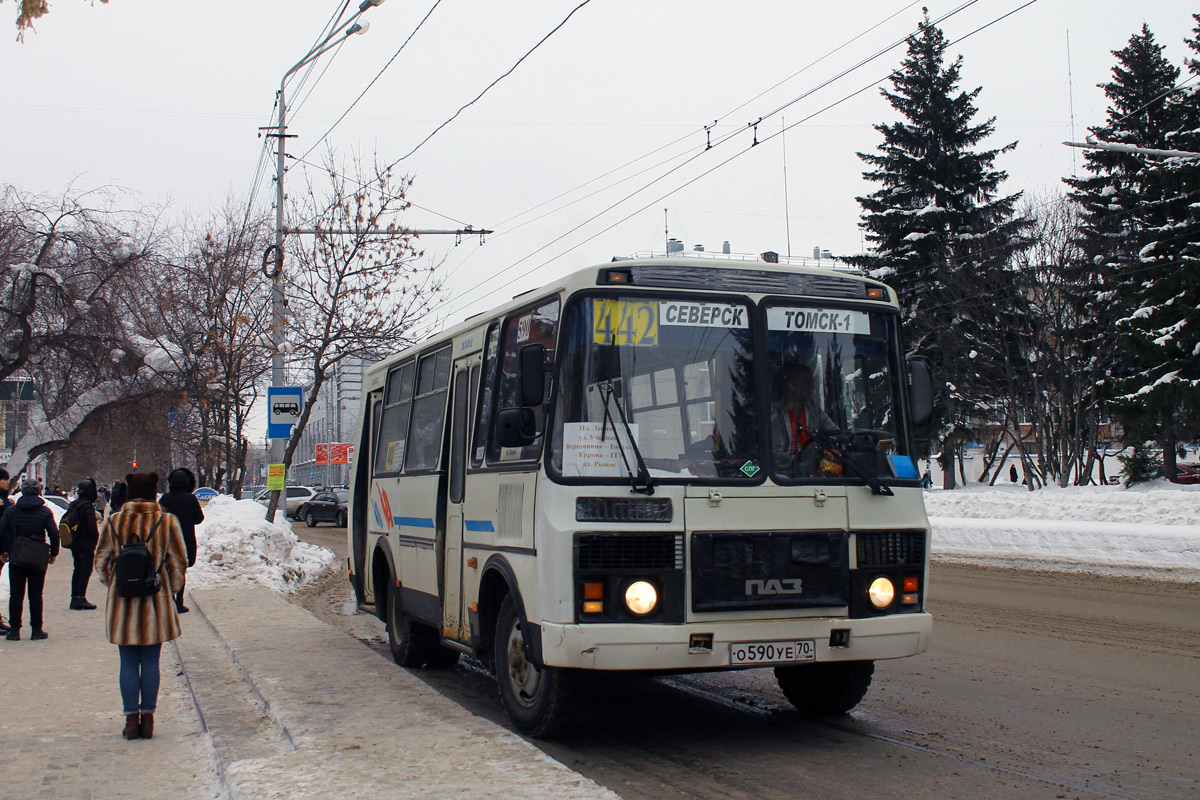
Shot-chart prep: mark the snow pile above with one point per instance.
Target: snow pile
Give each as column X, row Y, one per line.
column 1153, row 526
column 235, row 543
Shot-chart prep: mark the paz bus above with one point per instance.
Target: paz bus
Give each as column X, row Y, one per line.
column 604, row 475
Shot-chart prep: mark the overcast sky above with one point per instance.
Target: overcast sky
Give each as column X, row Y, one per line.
column 165, row 98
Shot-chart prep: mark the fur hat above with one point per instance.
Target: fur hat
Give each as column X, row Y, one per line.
column 30, row 487
column 181, row 480
column 142, row 486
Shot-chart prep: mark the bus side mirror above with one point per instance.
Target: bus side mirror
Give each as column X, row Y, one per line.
column 516, row 427
column 531, row 366
column 920, row 392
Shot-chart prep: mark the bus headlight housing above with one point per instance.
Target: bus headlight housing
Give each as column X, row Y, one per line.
column 641, row 598
column 881, row 592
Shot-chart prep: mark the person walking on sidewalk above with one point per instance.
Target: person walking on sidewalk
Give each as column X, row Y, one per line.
column 180, row 501
column 5, row 503
column 138, row 626
column 83, row 547
column 28, row 518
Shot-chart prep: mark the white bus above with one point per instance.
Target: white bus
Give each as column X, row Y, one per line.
column 616, row 473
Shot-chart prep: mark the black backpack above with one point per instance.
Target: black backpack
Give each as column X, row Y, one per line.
column 134, row 572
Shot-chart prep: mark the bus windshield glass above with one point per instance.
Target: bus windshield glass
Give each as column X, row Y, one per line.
column 674, row 375
column 834, row 383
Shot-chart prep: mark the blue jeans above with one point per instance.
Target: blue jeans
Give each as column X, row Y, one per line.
column 139, row 676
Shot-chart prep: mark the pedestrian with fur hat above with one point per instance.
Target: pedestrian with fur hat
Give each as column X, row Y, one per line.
column 180, row 501
column 28, row 518
column 140, row 625
column 83, row 545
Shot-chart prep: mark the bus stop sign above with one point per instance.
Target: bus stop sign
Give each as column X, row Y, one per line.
column 283, row 410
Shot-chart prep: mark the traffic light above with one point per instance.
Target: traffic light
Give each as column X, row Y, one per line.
column 135, row 465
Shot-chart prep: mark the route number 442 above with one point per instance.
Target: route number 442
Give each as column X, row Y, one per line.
column 625, row 322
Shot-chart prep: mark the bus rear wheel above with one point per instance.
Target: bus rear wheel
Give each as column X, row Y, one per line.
column 407, row 638
column 826, row 688
column 541, row 701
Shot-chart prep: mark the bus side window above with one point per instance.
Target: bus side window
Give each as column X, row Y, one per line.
column 537, row 325
column 429, row 411
column 486, row 395
column 392, row 430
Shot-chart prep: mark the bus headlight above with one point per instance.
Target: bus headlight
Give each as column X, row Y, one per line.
column 882, row 592
column 641, row 597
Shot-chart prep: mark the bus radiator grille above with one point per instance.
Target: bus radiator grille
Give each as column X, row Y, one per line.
column 891, row 548
column 639, row 551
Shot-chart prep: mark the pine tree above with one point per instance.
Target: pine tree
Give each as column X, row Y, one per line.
column 1163, row 331
column 940, row 235
column 1122, row 200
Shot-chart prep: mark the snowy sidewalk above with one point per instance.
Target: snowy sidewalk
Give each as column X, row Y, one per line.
column 60, row 714
column 341, row 720
column 286, row 707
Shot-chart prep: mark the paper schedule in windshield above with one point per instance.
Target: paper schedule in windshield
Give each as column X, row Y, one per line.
column 590, row 450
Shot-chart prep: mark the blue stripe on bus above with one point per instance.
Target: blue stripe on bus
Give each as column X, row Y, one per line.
column 413, row 522
column 479, row 525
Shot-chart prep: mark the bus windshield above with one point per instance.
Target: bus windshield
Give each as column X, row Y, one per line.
column 673, row 388
column 674, row 374
column 834, row 388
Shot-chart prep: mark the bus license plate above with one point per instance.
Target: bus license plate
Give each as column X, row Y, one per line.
column 772, row 652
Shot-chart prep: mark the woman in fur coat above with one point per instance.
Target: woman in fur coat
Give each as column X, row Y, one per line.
column 140, row 625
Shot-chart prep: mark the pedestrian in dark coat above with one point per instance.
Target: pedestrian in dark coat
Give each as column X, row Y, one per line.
column 180, row 501
column 5, row 504
column 140, row 625
column 28, row 517
column 83, row 546
column 118, row 497
column 1012, row 472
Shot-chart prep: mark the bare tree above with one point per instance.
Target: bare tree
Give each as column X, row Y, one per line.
column 1066, row 360
column 359, row 285
column 66, row 265
column 210, row 306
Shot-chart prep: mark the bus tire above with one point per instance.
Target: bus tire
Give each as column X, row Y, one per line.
column 406, row 639
column 826, row 688
column 541, row 701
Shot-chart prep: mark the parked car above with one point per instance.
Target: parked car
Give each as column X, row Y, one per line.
column 296, row 495
column 1188, row 473
column 326, row 506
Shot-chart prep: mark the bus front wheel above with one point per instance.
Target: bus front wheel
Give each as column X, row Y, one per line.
column 541, row 701
column 826, row 688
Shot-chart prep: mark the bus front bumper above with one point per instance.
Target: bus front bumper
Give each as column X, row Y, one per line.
column 672, row 647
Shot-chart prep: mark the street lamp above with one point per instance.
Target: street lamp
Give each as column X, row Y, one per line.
column 347, row 29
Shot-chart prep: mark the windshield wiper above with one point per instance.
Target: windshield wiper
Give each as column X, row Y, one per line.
column 825, row 442
column 641, row 482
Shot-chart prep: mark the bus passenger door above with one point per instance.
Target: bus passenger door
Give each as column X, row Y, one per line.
column 463, row 385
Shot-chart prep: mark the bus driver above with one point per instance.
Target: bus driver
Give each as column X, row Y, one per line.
column 792, row 420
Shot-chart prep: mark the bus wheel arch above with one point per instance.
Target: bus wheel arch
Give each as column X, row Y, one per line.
column 498, row 582
column 383, row 576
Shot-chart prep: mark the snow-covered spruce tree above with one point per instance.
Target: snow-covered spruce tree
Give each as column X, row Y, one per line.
column 1120, row 201
column 1163, row 330
column 942, row 237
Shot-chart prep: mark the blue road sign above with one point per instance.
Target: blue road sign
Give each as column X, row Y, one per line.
column 283, row 410
column 204, row 494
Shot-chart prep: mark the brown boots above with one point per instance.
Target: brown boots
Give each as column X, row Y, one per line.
column 138, row 726
column 131, row 726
